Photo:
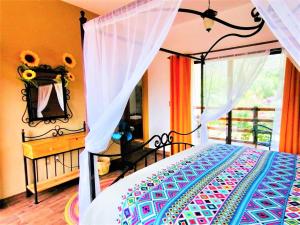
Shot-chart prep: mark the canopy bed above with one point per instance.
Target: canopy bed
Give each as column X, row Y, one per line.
column 122, row 44
column 204, row 185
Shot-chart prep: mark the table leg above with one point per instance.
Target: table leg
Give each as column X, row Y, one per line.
column 34, row 182
column 28, row 193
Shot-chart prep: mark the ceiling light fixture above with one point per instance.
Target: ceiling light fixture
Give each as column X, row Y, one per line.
column 207, row 15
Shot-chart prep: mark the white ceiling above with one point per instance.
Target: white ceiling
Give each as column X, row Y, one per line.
column 191, row 37
column 187, row 33
column 102, row 7
column 202, row 5
column 99, row 7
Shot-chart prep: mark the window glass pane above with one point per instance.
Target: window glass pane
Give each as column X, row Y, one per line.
column 256, row 107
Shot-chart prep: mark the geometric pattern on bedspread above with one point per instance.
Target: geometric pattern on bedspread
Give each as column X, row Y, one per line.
column 225, row 184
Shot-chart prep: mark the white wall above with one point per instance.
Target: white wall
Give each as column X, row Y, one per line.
column 159, row 95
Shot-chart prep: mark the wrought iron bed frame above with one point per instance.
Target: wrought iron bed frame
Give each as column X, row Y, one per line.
column 167, row 139
column 159, row 141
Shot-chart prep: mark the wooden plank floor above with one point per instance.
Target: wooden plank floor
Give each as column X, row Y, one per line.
column 50, row 210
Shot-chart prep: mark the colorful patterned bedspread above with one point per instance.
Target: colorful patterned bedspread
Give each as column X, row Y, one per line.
column 225, row 184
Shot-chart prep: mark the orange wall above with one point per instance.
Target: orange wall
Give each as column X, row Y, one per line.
column 49, row 28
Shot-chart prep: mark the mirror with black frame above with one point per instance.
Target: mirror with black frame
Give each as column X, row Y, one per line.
column 46, row 94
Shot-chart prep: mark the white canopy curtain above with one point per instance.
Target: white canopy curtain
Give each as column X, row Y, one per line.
column 118, row 48
column 224, row 89
column 60, row 95
column 43, row 98
column 196, row 101
column 283, row 19
column 278, row 105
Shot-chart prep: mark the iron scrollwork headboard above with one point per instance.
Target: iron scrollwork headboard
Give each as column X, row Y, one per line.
column 160, row 142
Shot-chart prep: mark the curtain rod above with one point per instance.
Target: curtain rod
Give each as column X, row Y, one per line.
column 237, row 47
column 217, row 50
column 179, row 54
column 273, row 51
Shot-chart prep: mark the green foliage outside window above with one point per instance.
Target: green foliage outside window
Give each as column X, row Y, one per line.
column 262, row 94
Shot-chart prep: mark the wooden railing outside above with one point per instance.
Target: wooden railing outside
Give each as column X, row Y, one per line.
column 243, row 121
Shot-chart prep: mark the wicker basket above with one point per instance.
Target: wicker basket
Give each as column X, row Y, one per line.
column 103, row 165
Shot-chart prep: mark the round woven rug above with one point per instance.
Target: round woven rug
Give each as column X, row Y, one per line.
column 71, row 209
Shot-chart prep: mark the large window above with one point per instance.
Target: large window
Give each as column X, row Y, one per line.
column 259, row 105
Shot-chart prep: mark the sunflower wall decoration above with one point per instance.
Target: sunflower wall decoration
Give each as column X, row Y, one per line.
column 30, row 68
column 36, row 77
column 69, row 60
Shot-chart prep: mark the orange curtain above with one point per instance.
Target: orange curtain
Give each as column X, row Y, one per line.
column 290, row 121
column 180, row 100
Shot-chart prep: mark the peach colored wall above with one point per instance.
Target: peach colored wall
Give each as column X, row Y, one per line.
column 49, row 28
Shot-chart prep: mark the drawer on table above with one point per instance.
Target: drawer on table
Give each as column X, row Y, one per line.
column 37, row 150
column 76, row 142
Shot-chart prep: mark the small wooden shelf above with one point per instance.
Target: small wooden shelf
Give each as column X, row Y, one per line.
column 51, row 146
column 43, row 149
column 52, row 182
